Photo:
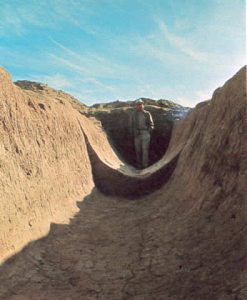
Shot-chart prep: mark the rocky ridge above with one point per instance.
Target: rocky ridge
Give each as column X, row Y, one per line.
column 44, row 89
column 114, row 118
column 175, row 110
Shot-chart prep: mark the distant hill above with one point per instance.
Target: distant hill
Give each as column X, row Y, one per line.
column 114, row 118
column 44, row 89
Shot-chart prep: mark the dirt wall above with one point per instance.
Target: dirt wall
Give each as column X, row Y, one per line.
column 44, row 165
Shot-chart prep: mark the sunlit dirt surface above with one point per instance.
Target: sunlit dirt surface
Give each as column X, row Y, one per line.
column 183, row 239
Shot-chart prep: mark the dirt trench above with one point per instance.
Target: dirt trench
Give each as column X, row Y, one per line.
column 182, row 239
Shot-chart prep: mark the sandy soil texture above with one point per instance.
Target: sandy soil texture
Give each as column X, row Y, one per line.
column 78, row 223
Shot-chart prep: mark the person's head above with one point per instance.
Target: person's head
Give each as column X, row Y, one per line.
column 139, row 105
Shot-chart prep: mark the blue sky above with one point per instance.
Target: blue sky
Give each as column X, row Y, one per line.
column 104, row 50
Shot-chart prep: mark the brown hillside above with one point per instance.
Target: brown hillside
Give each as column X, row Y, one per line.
column 183, row 239
column 114, row 118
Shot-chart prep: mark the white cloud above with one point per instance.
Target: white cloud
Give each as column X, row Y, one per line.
column 17, row 15
column 148, row 86
column 97, row 83
column 56, row 81
column 186, row 102
column 85, row 97
column 90, row 64
column 182, row 24
column 154, row 50
column 183, row 45
column 28, row 16
column 202, row 96
column 12, row 21
column 68, row 63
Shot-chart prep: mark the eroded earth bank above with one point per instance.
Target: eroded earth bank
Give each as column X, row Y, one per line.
column 76, row 224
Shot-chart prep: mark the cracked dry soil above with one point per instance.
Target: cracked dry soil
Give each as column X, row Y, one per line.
column 185, row 240
column 115, row 249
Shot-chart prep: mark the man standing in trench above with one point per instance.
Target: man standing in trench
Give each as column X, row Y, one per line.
column 141, row 126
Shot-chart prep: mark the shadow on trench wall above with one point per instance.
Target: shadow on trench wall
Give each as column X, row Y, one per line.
column 116, row 126
column 114, row 183
column 124, row 145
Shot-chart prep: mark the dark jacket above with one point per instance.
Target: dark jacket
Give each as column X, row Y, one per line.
column 133, row 122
